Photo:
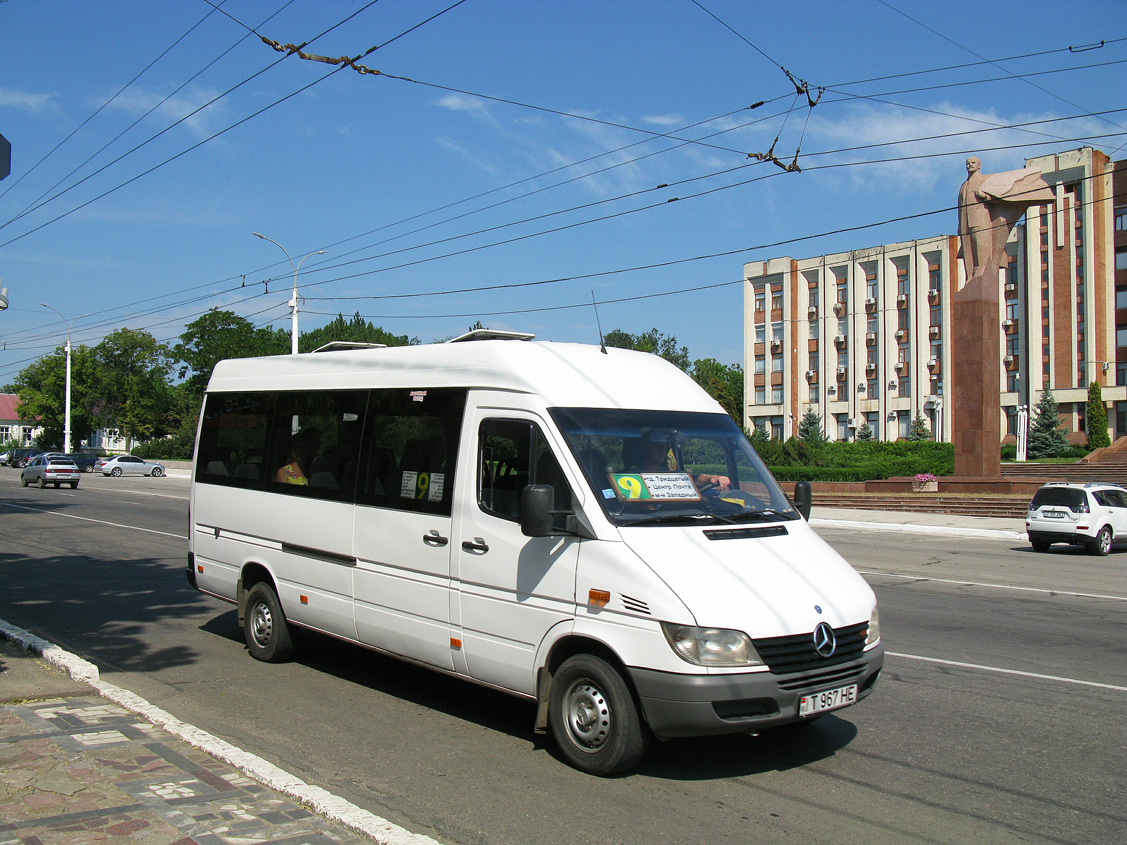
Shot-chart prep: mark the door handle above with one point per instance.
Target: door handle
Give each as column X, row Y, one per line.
column 435, row 539
column 478, row 545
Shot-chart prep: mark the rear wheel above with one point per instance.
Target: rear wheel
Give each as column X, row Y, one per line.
column 57, row 483
column 74, row 485
column 1040, row 545
column 88, row 468
column 264, row 626
column 42, row 483
column 593, row 716
column 1102, row 545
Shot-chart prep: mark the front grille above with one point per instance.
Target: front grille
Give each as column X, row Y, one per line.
column 787, row 655
column 824, row 680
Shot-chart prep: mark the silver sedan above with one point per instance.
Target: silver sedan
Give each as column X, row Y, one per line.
column 47, row 469
column 128, row 465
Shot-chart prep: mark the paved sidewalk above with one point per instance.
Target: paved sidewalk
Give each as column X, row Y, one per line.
column 78, row 769
column 920, row 522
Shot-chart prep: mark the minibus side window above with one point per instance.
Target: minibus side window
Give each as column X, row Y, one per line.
column 313, row 447
column 512, row 454
column 233, row 439
column 410, row 449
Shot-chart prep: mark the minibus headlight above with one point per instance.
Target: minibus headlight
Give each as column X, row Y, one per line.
column 711, row 646
column 874, row 629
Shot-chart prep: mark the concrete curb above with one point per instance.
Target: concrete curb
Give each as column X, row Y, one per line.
column 321, row 801
column 950, row 530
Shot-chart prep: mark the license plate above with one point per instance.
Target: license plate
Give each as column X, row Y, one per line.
column 829, row 700
column 1053, row 514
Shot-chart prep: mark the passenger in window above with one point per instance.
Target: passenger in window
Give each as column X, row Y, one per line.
column 303, row 446
column 657, row 456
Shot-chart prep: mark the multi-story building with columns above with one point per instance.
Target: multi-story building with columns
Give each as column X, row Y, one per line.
column 865, row 336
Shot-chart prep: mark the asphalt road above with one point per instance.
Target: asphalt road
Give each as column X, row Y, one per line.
column 999, row 716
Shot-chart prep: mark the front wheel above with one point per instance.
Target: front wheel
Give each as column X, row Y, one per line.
column 42, row 483
column 23, row 481
column 116, row 471
column 264, row 626
column 1102, row 545
column 594, row 718
column 157, row 472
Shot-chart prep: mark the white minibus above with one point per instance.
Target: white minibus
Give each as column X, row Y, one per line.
column 579, row 526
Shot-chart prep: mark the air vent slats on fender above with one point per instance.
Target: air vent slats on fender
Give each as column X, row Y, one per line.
column 635, row 605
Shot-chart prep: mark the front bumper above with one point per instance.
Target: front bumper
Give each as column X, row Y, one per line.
column 704, row 705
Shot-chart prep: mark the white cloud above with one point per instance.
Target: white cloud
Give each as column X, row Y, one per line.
column 476, row 161
column 26, row 101
column 664, row 120
column 473, row 106
column 138, row 101
column 913, row 165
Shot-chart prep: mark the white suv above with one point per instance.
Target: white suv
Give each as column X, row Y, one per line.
column 1092, row 515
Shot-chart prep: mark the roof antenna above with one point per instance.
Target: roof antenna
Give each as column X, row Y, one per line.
column 595, row 305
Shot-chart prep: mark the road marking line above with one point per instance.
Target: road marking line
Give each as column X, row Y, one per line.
column 320, row 800
column 995, row 586
column 99, row 521
column 962, row 665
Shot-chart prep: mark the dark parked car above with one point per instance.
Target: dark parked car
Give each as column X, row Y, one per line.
column 21, row 457
column 83, row 460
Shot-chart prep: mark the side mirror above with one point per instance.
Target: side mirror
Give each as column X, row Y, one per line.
column 803, row 498
column 536, row 503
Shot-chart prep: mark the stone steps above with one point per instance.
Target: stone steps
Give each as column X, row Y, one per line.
column 1009, row 507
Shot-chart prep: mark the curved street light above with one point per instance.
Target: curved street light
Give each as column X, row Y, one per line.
column 293, row 298
column 66, row 407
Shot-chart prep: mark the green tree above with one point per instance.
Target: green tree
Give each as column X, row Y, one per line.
column 1046, row 438
column 919, row 430
column 42, row 390
column 1097, row 418
column 218, row 335
column 810, row 429
column 356, row 330
column 723, row 383
column 759, row 437
column 651, row 341
column 132, row 392
column 864, row 433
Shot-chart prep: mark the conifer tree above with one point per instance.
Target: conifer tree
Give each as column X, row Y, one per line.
column 1046, row 438
column 1097, row 418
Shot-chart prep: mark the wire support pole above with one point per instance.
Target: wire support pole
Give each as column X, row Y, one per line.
column 293, row 297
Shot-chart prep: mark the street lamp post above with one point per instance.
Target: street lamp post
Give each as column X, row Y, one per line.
column 66, row 406
column 293, row 298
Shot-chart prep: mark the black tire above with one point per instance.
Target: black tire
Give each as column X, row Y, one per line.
column 23, row 481
column 1040, row 545
column 116, row 471
column 88, row 468
column 42, row 483
column 594, row 718
column 57, row 483
column 157, row 472
column 264, row 626
column 74, row 485
column 1102, row 544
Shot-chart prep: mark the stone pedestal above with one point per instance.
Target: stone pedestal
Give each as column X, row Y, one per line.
column 976, row 422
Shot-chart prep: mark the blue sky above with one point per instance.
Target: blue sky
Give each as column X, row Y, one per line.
column 509, row 143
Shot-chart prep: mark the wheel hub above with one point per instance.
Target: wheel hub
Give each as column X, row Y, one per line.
column 588, row 716
column 262, row 625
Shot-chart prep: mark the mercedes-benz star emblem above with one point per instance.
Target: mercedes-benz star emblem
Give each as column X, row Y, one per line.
column 825, row 643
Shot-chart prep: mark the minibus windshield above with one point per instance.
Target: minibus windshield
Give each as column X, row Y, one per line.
column 671, row 467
